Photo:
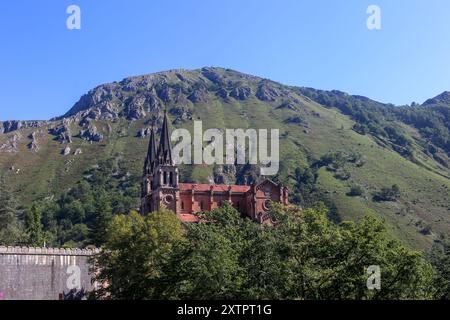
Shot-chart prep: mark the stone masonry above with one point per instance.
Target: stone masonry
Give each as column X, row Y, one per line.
column 43, row 273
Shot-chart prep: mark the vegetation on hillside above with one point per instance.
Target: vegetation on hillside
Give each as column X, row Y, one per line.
column 76, row 219
column 381, row 120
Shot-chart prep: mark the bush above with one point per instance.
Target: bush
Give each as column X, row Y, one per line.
column 388, row 194
column 355, row 191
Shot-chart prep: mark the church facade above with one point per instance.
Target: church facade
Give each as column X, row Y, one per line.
column 161, row 188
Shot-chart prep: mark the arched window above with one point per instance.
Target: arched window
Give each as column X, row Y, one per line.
column 182, row 205
column 171, row 178
column 165, row 177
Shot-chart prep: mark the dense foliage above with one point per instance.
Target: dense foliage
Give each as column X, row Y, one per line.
column 305, row 256
column 76, row 219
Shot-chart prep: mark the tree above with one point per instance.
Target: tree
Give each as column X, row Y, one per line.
column 102, row 217
column 329, row 261
column 11, row 227
column 209, row 265
column 135, row 255
column 34, row 226
column 355, row 191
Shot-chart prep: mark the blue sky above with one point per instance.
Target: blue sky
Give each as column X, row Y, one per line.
column 45, row 67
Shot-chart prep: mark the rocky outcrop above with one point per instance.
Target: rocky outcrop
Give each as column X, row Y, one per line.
column 213, row 76
column 294, row 120
column 267, row 92
column 10, row 126
column 33, row 145
column 288, row 104
column 61, row 132
column 241, row 93
column 66, row 151
column 138, row 97
column 199, row 95
column 91, row 134
column 10, row 146
column 144, row 132
column 181, row 114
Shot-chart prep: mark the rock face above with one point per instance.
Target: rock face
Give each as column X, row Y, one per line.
column 33, row 145
column 137, row 97
column 182, row 114
column 144, row 132
column 10, row 126
column 241, row 93
column 266, row 92
column 62, row 133
column 10, row 146
column 145, row 97
column 91, row 134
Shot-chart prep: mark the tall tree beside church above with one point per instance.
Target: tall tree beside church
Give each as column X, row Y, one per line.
column 101, row 218
column 34, row 226
column 11, row 227
column 136, row 251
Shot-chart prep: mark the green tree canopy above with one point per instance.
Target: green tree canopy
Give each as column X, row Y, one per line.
column 302, row 256
column 134, row 255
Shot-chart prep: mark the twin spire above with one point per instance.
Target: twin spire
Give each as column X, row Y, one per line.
column 162, row 156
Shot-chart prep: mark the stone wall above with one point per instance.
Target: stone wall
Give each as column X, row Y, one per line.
column 43, row 273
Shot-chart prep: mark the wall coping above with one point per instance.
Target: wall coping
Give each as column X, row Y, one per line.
column 47, row 251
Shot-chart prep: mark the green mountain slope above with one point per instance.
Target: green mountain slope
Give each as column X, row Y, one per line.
column 44, row 159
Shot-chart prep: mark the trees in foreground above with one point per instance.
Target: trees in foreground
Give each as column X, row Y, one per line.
column 304, row 256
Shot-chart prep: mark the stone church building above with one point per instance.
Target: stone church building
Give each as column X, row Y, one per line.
column 161, row 188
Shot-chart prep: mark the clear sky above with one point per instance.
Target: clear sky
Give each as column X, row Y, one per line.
column 45, row 68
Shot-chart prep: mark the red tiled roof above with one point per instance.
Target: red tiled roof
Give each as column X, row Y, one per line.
column 188, row 217
column 216, row 187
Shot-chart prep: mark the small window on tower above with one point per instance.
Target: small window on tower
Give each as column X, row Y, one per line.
column 182, row 205
column 165, row 177
column 202, row 207
column 171, row 178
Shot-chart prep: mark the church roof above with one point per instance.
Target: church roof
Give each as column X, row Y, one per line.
column 188, row 217
column 203, row 187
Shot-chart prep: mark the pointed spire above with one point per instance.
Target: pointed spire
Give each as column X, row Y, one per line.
column 151, row 153
column 165, row 150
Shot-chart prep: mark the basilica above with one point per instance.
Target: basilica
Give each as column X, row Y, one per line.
column 161, row 188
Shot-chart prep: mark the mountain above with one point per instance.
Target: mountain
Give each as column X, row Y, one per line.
column 345, row 150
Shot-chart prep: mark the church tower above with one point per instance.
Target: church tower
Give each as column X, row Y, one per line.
column 161, row 176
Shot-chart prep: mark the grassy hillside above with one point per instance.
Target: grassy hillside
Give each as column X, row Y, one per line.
column 228, row 99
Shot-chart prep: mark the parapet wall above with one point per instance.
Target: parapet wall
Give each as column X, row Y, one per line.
column 43, row 273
